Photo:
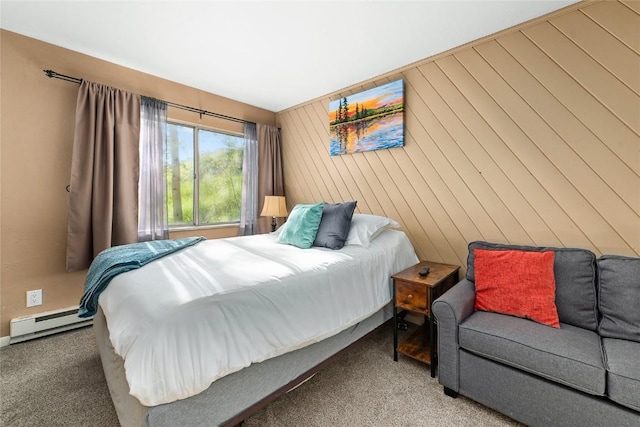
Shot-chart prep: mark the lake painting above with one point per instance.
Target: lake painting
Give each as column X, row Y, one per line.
column 369, row 120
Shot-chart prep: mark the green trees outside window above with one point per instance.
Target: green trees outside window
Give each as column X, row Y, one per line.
column 204, row 175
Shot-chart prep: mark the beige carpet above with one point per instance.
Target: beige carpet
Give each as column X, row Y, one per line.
column 58, row 381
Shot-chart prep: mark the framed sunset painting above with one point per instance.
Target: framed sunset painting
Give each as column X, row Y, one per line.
column 369, row 120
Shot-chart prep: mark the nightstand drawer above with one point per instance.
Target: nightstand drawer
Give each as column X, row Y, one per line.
column 411, row 296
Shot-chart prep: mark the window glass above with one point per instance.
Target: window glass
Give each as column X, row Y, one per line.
column 179, row 169
column 204, row 176
column 220, row 177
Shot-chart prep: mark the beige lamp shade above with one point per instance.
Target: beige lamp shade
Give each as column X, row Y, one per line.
column 274, row 206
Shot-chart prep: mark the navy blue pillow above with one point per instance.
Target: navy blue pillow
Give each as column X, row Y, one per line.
column 335, row 224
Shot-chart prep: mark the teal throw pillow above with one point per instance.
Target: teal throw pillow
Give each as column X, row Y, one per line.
column 302, row 226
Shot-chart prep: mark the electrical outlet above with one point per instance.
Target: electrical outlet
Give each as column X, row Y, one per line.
column 34, row 298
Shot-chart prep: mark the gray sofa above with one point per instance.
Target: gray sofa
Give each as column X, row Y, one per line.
column 587, row 373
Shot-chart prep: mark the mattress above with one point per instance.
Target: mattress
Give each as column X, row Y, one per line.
column 234, row 397
column 200, row 314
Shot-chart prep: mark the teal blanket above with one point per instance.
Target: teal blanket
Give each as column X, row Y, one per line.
column 119, row 259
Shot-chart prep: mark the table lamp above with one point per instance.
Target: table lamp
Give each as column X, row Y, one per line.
column 275, row 207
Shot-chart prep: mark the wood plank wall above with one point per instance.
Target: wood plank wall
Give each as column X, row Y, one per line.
column 531, row 136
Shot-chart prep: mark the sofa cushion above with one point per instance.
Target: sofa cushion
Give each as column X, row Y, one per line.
column 623, row 371
column 575, row 275
column 571, row 356
column 619, row 291
column 519, row 283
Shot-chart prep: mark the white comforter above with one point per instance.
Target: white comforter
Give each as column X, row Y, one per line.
column 214, row 308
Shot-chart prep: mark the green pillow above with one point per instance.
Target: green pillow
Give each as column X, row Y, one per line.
column 302, row 226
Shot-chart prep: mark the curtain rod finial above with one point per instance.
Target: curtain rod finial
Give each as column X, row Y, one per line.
column 50, row 73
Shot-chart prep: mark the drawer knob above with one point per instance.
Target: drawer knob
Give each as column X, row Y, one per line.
column 409, row 296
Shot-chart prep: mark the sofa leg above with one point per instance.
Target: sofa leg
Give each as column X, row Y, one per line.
column 450, row 393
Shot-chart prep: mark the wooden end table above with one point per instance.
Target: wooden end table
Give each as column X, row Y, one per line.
column 412, row 292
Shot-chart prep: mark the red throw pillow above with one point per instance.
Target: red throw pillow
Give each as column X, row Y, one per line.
column 519, row 283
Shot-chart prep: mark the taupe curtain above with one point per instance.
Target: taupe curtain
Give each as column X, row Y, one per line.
column 103, row 199
column 270, row 175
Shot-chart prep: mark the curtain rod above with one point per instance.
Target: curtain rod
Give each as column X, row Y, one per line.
column 52, row 74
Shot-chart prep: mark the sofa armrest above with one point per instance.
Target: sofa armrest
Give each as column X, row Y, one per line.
column 450, row 310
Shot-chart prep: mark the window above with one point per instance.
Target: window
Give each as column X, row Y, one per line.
column 204, row 176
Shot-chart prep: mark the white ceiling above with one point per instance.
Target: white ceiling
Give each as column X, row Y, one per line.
column 271, row 54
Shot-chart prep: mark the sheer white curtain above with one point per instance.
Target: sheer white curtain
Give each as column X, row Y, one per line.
column 152, row 205
column 249, row 207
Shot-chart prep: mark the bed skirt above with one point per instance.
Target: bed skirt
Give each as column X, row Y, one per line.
column 233, row 397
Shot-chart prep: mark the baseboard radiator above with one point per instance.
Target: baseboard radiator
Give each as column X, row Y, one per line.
column 51, row 322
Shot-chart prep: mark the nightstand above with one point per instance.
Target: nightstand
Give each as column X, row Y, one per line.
column 412, row 292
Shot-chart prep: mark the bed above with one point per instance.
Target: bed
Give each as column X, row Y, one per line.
column 210, row 334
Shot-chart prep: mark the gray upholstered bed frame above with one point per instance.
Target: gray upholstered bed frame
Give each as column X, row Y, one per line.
column 230, row 399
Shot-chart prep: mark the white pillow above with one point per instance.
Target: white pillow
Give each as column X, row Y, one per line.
column 365, row 228
column 277, row 232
